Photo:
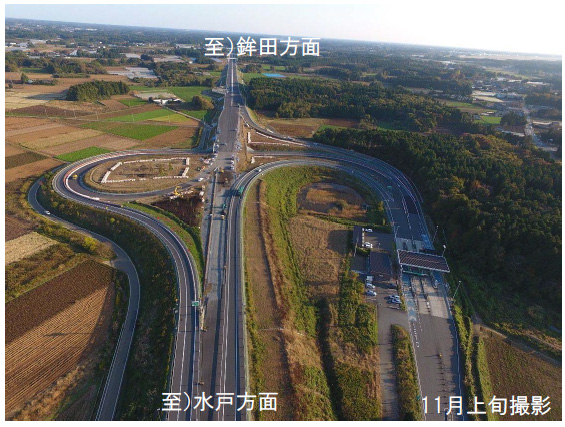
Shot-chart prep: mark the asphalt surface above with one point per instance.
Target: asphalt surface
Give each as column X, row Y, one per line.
column 213, row 360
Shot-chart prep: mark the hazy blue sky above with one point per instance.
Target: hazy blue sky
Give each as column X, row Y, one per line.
column 494, row 25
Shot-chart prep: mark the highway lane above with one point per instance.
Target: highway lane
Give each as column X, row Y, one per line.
column 110, row 392
column 186, row 339
column 217, row 362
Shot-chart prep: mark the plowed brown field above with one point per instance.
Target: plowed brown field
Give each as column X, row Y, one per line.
column 31, row 169
column 50, row 329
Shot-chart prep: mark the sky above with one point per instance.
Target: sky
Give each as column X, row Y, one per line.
column 532, row 27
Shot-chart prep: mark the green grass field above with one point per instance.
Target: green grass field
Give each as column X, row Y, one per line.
column 491, row 120
column 82, row 154
column 132, row 102
column 147, row 115
column 135, row 131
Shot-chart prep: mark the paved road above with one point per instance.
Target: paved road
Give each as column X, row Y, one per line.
column 217, row 361
column 112, row 386
column 186, row 342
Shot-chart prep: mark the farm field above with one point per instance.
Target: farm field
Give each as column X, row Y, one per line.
column 148, row 115
column 31, row 169
column 106, row 141
column 509, row 378
column 302, row 128
column 491, row 120
column 44, row 348
column 61, row 135
column 22, row 159
column 185, row 137
column 82, row 154
column 465, row 106
column 14, row 228
column 132, row 102
column 26, row 245
column 135, row 131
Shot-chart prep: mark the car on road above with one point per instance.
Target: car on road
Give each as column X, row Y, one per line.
column 47, row 213
column 367, row 245
column 368, row 230
column 371, row 293
column 200, row 179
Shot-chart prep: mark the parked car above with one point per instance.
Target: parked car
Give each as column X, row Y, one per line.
column 369, row 286
column 371, row 293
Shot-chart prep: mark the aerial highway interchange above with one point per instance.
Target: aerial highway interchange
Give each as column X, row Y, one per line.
column 210, row 344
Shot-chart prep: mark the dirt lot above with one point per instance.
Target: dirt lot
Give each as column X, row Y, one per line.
column 514, row 372
column 26, row 245
column 44, row 347
column 187, row 208
column 331, row 199
column 15, row 228
column 146, row 170
column 31, row 169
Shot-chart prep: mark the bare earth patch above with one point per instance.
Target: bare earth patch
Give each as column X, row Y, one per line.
column 31, row 169
column 331, row 199
column 26, row 245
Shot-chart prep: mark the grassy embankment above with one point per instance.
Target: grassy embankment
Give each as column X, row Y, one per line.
column 189, row 235
column 406, row 375
column 325, row 382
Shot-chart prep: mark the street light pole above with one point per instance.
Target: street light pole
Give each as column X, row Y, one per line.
column 457, row 289
column 444, row 248
column 435, row 234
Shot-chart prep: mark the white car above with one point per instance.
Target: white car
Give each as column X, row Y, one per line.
column 200, row 179
column 368, row 230
column 367, row 245
column 371, row 293
column 47, row 213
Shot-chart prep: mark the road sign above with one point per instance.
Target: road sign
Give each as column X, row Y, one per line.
column 195, row 303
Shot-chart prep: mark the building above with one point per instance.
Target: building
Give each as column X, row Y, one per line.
column 379, row 266
column 358, row 235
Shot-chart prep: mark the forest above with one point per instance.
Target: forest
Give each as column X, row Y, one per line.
column 295, row 98
column 97, row 89
column 498, row 205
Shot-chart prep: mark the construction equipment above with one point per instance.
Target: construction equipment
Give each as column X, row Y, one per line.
column 176, row 191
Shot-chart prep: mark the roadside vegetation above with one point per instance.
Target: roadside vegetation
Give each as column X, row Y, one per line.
column 330, row 334
column 406, row 376
column 190, row 235
column 148, row 366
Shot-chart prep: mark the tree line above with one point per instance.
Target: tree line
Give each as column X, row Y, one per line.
column 499, row 204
